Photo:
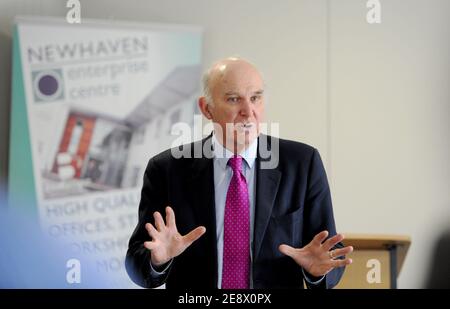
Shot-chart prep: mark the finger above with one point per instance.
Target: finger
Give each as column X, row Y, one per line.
column 327, row 245
column 151, row 230
column 320, row 237
column 341, row 263
column 150, row 245
column 159, row 221
column 194, row 235
column 287, row 250
column 341, row 252
column 170, row 217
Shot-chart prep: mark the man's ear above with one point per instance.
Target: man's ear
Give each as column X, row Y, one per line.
column 204, row 107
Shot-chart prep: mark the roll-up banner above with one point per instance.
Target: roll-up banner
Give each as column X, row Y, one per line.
column 91, row 103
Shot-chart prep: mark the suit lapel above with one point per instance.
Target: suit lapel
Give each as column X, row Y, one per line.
column 267, row 182
column 202, row 186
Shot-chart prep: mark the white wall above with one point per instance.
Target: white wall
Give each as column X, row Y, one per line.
column 390, row 123
column 374, row 99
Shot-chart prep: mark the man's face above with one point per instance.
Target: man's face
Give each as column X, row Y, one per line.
column 238, row 104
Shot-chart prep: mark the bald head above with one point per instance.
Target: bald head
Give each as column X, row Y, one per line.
column 227, row 70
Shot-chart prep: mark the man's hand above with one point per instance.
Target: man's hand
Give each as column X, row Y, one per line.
column 316, row 257
column 166, row 242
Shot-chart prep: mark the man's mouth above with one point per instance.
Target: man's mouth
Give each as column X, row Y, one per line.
column 244, row 126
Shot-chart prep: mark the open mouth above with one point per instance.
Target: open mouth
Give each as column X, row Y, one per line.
column 245, row 127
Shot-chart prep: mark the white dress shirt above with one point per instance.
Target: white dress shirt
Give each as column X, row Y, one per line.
column 222, row 178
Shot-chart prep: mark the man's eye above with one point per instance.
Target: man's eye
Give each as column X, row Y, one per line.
column 254, row 98
column 233, row 99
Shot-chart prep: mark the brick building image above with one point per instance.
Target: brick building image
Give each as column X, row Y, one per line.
column 97, row 152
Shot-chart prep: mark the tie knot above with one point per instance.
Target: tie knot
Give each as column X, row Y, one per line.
column 235, row 163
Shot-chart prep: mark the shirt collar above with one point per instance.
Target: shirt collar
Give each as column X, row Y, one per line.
column 222, row 154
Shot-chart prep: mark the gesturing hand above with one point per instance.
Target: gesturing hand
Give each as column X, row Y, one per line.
column 166, row 242
column 316, row 257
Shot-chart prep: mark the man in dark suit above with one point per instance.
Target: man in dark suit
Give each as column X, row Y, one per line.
column 255, row 211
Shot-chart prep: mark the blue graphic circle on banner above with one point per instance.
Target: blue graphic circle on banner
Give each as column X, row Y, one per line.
column 48, row 85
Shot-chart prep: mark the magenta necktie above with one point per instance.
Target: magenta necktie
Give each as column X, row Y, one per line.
column 236, row 238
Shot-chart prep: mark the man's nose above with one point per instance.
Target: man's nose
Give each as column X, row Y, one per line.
column 246, row 108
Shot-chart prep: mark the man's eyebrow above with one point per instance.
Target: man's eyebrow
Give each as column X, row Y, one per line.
column 258, row 92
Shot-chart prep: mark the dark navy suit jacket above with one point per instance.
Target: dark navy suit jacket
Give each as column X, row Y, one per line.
column 293, row 204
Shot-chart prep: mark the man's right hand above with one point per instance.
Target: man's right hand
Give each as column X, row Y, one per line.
column 166, row 242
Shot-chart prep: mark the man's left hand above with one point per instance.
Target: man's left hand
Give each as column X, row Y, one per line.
column 316, row 257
